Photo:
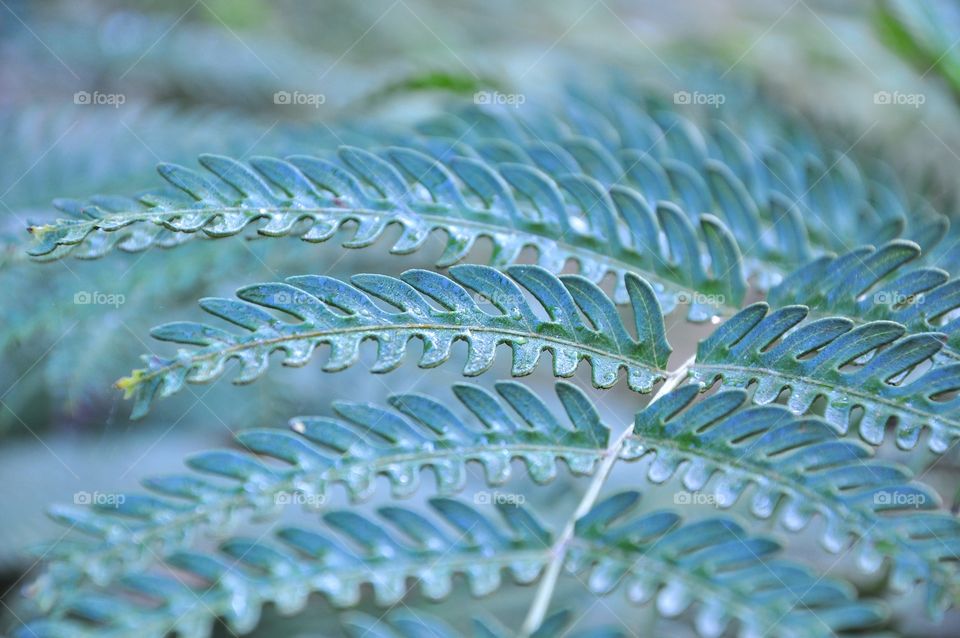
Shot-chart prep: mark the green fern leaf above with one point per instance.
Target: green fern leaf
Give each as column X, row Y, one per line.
column 712, row 561
column 367, row 441
column 862, row 285
column 800, row 468
column 514, row 205
column 813, row 360
column 781, row 203
column 711, row 187
column 383, row 552
column 331, row 311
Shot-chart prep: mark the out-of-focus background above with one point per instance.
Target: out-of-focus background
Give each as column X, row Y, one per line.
column 94, row 94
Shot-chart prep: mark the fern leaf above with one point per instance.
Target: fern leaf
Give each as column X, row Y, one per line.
column 867, row 284
column 816, row 359
column 799, row 468
column 713, row 189
column 779, row 216
column 713, row 562
column 280, row 468
column 710, row 561
column 327, row 310
column 337, row 561
column 513, row 205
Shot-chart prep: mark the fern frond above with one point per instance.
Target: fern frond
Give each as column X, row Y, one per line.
column 781, row 203
column 869, row 284
column 334, row 312
column 515, row 206
column 799, row 468
column 280, row 468
column 713, row 562
column 710, row 186
column 716, row 563
column 337, row 561
column 817, row 359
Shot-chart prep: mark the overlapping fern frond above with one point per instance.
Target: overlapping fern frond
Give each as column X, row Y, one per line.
column 669, row 209
column 437, row 309
column 784, row 196
column 819, row 359
column 799, row 468
column 279, row 468
column 512, row 205
column 712, row 562
column 869, row 284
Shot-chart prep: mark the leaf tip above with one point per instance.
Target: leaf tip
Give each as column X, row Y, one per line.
column 130, row 384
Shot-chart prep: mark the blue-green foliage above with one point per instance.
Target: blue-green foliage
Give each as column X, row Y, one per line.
column 712, row 561
column 416, row 433
column 513, row 205
column 851, row 366
column 477, row 304
column 877, row 283
column 800, row 468
column 658, row 207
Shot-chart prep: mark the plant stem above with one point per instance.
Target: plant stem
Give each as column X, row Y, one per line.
column 541, row 601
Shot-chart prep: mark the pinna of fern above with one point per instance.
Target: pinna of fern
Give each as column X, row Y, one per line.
column 582, row 323
column 415, row 433
column 571, row 199
column 451, row 179
column 798, row 466
column 814, row 359
column 711, row 187
column 653, row 555
column 766, row 183
column 868, row 284
column 735, row 352
column 514, row 205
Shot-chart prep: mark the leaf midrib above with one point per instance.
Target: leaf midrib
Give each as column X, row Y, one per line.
column 627, row 361
column 452, row 219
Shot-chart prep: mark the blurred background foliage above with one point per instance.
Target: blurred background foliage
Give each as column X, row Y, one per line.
column 200, row 76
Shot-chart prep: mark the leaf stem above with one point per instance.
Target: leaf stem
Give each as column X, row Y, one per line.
column 558, row 551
